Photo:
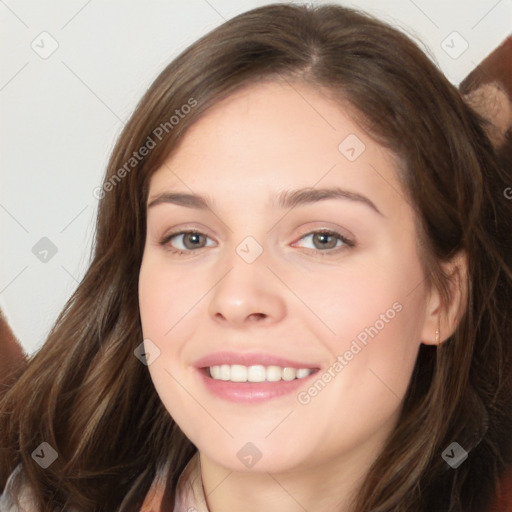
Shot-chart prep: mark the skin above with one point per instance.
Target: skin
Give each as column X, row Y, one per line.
column 297, row 300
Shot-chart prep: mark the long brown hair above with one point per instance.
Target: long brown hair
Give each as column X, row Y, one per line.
column 86, row 394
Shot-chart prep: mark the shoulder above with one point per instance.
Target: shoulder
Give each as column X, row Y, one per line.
column 17, row 495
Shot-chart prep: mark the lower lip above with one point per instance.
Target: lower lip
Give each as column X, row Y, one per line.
column 252, row 392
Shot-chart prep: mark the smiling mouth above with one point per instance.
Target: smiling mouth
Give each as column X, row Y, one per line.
column 256, row 373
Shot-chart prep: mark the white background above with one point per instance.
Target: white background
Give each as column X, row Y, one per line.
column 61, row 115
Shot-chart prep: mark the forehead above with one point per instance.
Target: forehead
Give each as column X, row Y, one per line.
column 273, row 136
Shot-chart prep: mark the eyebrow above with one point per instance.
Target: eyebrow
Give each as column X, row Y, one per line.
column 303, row 196
column 181, row 199
column 286, row 199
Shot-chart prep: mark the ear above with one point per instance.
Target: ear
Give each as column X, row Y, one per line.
column 446, row 317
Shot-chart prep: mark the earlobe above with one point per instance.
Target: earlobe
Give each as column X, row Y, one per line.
column 443, row 316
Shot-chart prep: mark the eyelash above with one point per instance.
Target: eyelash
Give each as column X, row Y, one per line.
column 347, row 243
column 166, row 241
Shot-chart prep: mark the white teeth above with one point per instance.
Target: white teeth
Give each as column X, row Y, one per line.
column 224, row 372
column 215, row 372
column 274, row 373
column 302, row 372
column 238, row 373
column 289, row 373
column 257, row 373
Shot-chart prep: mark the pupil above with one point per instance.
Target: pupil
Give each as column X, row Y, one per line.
column 193, row 238
column 324, row 237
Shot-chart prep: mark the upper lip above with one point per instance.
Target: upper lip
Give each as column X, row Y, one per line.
column 249, row 359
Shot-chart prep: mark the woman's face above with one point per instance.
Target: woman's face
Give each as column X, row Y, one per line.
column 301, row 274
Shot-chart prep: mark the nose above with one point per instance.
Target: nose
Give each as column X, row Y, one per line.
column 249, row 294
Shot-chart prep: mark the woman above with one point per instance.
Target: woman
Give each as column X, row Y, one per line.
column 299, row 298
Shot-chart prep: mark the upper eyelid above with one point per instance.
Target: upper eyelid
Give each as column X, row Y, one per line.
column 303, row 234
column 166, row 240
column 185, row 231
column 343, row 234
column 347, row 240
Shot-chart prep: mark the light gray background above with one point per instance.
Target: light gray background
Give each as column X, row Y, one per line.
column 61, row 114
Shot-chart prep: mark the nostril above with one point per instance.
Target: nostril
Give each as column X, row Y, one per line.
column 257, row 316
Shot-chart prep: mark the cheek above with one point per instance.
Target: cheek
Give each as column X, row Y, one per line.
column 377, row 324
column 162, row 300
column 165, row 296
column 375, row 313
column 367, row 297
column 151, row 306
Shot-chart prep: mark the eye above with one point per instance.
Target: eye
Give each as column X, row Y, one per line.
column 327, row 241
column 186, row 241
